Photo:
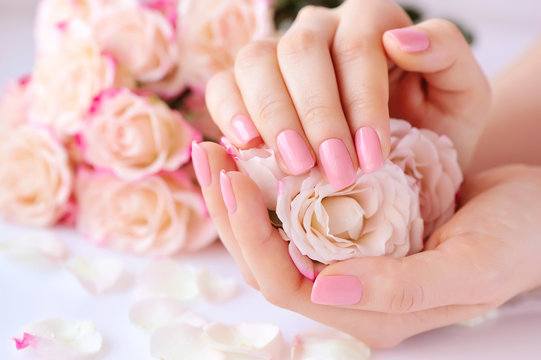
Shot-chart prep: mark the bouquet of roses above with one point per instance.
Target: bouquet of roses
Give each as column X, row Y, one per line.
column 99, row 135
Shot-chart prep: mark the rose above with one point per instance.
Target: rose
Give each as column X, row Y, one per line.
column 157, row 216
column 12, row 104
column 211, row 33
column 377, row 215
column 66, row 79
column 432, row 160
column 135, row 135
column 144, row 41
column 35, row 177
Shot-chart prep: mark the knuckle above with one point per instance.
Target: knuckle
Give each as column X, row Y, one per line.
column 269, row 106
column 446, row 27
column 350, row 49
column 307, row 11
column 251, row 53
column 298, row 42
column 403, row 297
column 316, row 114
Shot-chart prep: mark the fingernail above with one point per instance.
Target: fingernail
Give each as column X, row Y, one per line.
column 227, row 193
column 410, row 40
column 294, row 151
column 200, row 164
column 244, row 129
column 337, row 163
column 337, row 290
column 368, row 149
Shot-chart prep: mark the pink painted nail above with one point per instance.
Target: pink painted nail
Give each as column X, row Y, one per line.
column 337, row 290
column 368, row 149
column 244, row 129
column 410, row 40
column 294, row 151
column 200, row 164
column 227, row 192
column 337, row 163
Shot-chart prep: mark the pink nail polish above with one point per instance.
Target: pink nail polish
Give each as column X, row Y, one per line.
column 294, row 151
column 410, row 40
column 200, row 164
column 337, row 163
column 337, row 290
column 368, row 149
column 244, row 129
column 227, row 193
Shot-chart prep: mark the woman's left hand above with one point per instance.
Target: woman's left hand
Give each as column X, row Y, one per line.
column 486, row 254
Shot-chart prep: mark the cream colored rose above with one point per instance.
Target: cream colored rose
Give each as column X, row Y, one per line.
column 144, row 41
column 432, row 160
column 156, row 216
column 35, row 177
column 13, row 110
column 211, row 33
column 377, row 215
column 66, row 80
column 135, row 136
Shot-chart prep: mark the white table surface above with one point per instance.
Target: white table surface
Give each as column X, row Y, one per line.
column 27, row 294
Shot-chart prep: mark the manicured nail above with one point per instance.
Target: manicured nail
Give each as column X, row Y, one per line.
column 294, row 151
column 410, row 40
column 227, row 192
column 337, row 290
column 368, row 149
column 244, row 129
column 200, row 164
column 337, row 163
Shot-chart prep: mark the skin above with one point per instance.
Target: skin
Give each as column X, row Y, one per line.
column 475, row 262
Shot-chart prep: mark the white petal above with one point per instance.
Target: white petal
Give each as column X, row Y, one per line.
column 216, row 289
column 61, row 339
column 180, row 341
column 166, row 278
column 259, row 341
column 154, row 313
column 481, row 319
column 324, row 344
column 96, row 275
column 34, row 245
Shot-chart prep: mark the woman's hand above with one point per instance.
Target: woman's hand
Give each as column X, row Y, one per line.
column 486, row 254
column 324, row 90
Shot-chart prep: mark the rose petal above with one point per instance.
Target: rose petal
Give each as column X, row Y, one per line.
column 324, row 344
column 61, row 339
column 34, row 245
column 216, row 289
column 96, row 275
column 154, row 313
column 183, row 342
column 166, row 278
column 481, row 319
column 261, row 341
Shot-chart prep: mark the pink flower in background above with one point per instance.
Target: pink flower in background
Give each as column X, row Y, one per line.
column 35, row 177
column 211, row 33
column 432, row 160
column 156, row 216
column 135, row 136
column 195, row 111
column 377, row 215
column 13, row 110
column 144, row 41
column 66, row 80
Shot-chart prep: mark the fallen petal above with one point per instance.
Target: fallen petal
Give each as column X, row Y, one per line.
column 34, row 245
column 216, row 289
column 481, row 319
column 324, row 344
column 154, row 313
column 96, row 275
column 61, row 339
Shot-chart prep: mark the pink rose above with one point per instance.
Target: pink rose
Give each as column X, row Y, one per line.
column 13, row 110
column 66, row 80
column 144, row 41
column 35, row 177
column 213, row 31
column 432, row 160
column 135, row 136
column 157, row 216
column 377, row 215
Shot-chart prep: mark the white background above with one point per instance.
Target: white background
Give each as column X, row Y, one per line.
column 502, row 29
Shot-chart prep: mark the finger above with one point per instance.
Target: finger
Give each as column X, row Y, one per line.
column 362, row 73
column 208, row 159
column 308, row 71
column 228, row 111
column 267, row 100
